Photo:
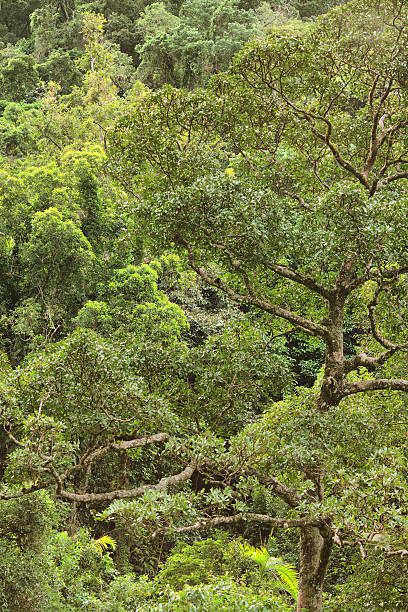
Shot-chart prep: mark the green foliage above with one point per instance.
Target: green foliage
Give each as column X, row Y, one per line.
column 25, row 529
column 19, row 78
column 211, row 573
column 104, row 543
column 197, row 563
column 387, row 574
column 286, row 575
column 16, row 135
column 267, row 182
column 95, row 315
column 181, row 42
column 136, row 307
column 186, row 50
column 57, row 257
column 107, row 340
column 153, row 510
column 220, row 593
column 28, row 521
column 59, row 67
column 92, row 224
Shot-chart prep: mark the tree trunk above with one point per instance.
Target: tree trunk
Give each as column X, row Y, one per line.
column 315, row 547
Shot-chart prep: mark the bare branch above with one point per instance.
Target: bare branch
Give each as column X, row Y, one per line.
column 392, row 178
column 401, row 553
column 367, row 361
column 296, row 197
column 390, row 346
column 164, row 483
column 378, row 122
column 205, row 523
column 24, row 491
column 10, row 435
column 90, row 456
column 283, row 271
column 326, row 138
column 358, row 543
column 160, row 437
column 301, row 279
column 376, row 384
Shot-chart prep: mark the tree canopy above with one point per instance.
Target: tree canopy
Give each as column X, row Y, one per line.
column 284, row 184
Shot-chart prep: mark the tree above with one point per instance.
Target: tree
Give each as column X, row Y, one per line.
column 289, row 173
column 15, row 16
column 19, row 78
column 186, row 50
column 57, row 256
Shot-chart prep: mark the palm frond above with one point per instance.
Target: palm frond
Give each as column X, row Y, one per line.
column 285, row 573
column 104, row 543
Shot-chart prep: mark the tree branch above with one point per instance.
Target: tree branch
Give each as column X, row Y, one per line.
column 390, row 346
column 309, row 327
column 289, row 496
column 23, row 491
column 301, row 279
column 367, row 361
column 160, row 437
column 283, row 271
column 375, row 140
column 393, row 273
column 346, row 165
column 164, row 483
column 89, row 457
column 401, row 553
column 376, row 384
column 392, row 178
column 244, row 516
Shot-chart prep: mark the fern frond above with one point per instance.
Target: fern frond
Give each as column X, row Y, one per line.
column 285, row 573
column 104, row 543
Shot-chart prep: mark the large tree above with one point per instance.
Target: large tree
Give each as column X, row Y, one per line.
column 285, row 185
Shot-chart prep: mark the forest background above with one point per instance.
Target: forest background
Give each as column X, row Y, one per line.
column 203, row 254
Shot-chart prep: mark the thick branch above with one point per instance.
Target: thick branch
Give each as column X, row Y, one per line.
column 289, row 496
column 304, row 324
column 164, row 483
column 301, row 279
column 367, row 361
column 401, row 553
column 309, row 327
column 89, row 457
column 376, row 384
column 283, row 271
column 160, row 437
column 23, row 491
column 244, row 516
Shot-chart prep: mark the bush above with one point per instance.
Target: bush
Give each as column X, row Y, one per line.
column 221, row 593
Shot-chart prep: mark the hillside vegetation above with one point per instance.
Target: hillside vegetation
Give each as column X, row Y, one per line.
column 203, row 306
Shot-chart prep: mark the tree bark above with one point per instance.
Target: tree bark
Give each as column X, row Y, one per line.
column 315, row 548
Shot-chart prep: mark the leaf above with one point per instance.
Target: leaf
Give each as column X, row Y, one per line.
column 285, row 573
column 104, row 543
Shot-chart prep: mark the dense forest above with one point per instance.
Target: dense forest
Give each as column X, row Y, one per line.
column 204, row 305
